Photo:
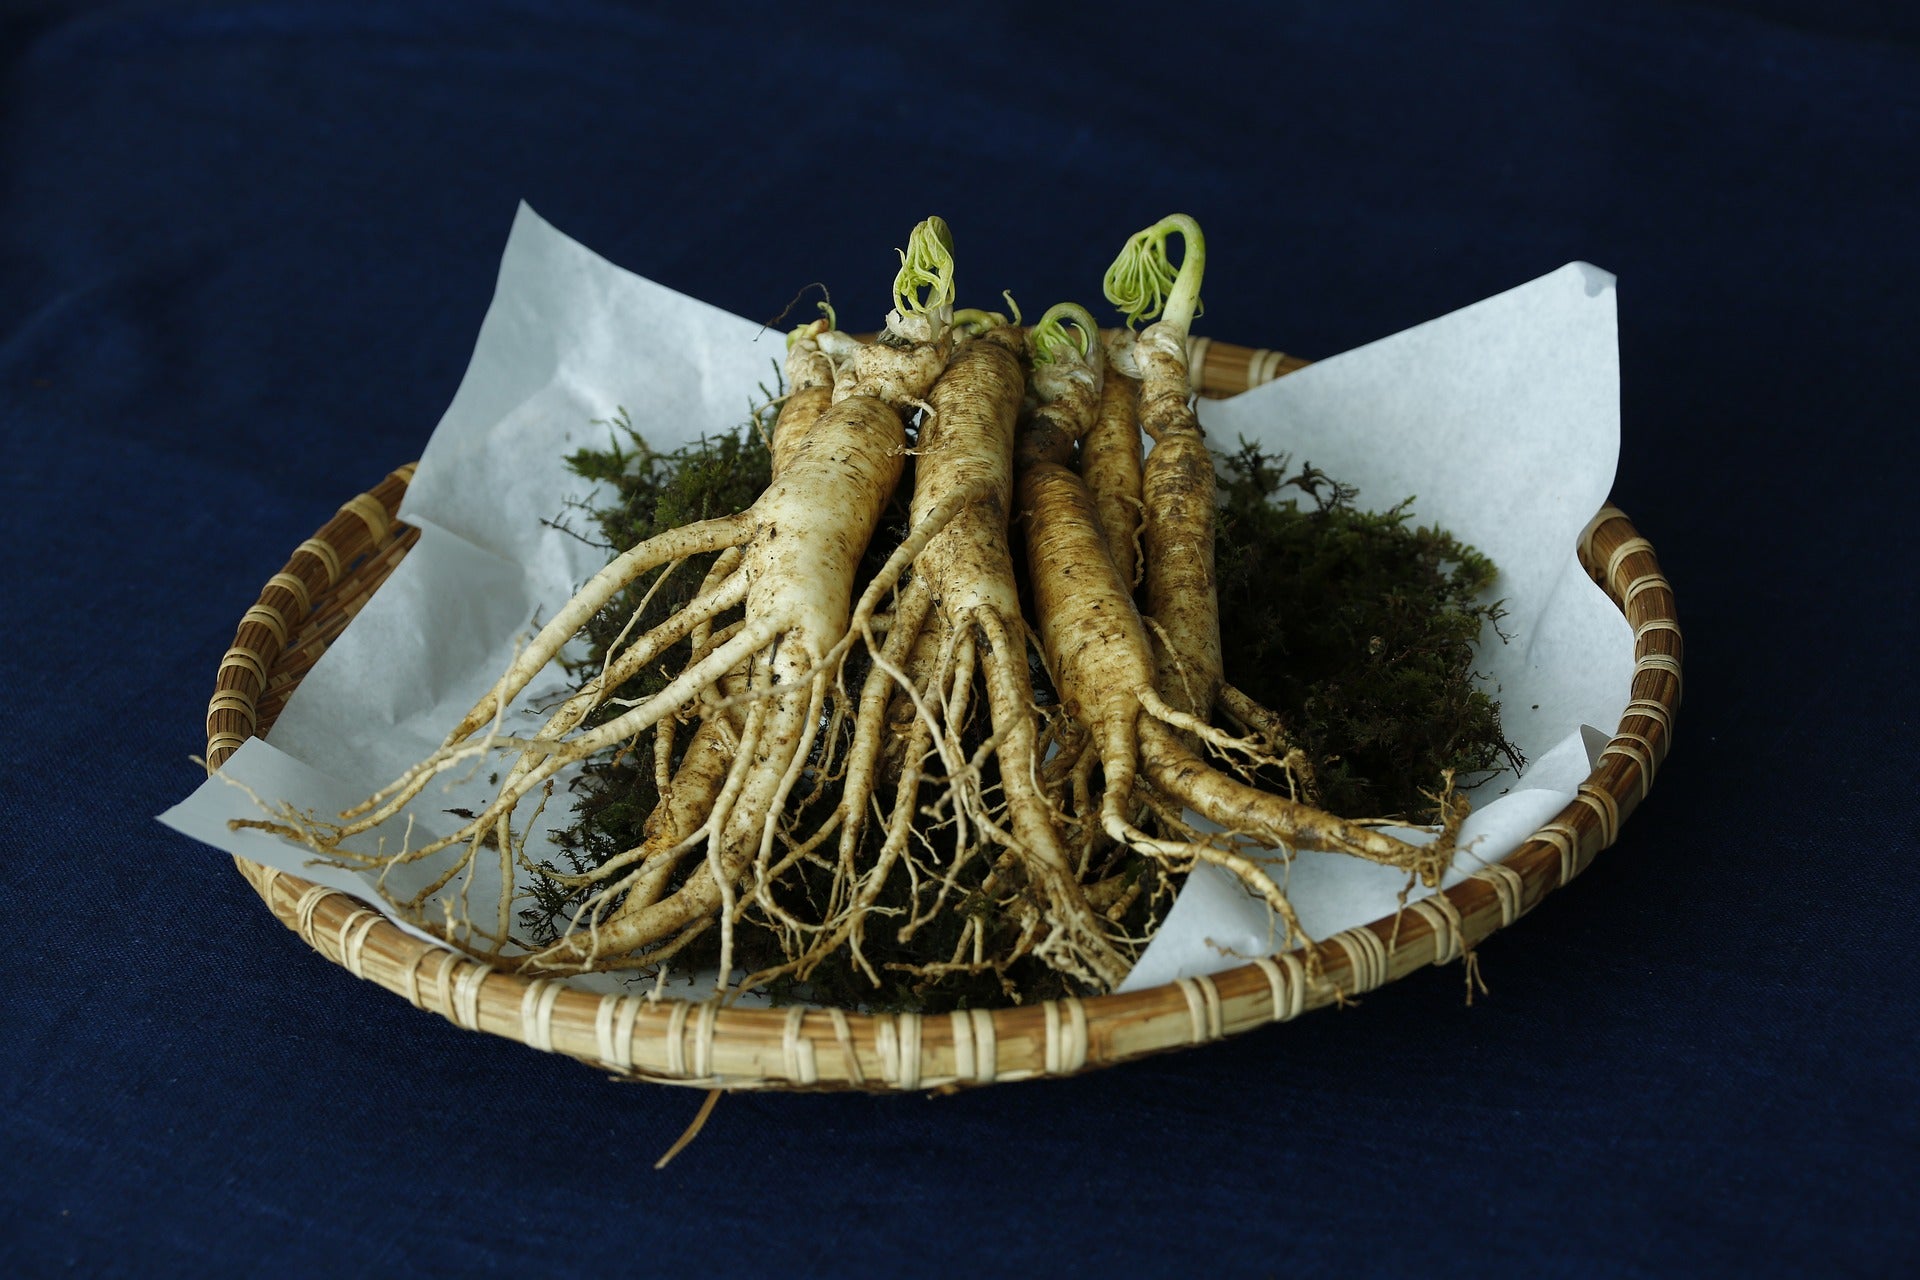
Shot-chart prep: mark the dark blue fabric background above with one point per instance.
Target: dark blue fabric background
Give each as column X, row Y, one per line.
column 244, row 251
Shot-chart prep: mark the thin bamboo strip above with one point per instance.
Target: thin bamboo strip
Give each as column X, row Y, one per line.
column 673, row 1042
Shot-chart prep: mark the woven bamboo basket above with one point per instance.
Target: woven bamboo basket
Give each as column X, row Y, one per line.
column 332, row 575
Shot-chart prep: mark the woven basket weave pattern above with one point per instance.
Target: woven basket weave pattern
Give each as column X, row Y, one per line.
column 332, row 575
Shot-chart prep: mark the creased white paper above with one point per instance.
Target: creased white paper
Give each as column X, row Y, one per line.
column 1502, row 418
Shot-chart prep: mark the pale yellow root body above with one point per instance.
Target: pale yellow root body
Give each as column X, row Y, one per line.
column 1097, row 650
column 1178, row 495
column 686, row 793
column 1111, row 464
column 960, row 613
column 801, row 543
column 1103, row 663
column 968, row 446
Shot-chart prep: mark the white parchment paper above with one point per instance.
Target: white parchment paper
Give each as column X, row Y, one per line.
column 1502, row 418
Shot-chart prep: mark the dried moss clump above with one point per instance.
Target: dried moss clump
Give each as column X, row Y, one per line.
column 1358, row 627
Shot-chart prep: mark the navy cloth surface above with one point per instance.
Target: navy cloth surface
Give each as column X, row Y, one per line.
column 244, row 252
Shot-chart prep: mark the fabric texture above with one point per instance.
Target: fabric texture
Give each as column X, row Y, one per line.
column 244, row 250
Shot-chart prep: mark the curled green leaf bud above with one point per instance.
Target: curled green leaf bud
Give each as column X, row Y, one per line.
column 1142, row 281
column 925, row 264
column 1067, row 325
column 973, row 322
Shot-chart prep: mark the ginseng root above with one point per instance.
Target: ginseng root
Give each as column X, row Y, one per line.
column 800, row 546
column 1104, row 665
column 1181, row 601
column 834, row 747
column 959, row 614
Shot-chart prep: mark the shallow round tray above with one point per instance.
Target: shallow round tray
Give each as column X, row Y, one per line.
column 333, row 574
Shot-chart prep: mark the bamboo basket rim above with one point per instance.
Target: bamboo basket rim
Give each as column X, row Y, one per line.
column 331, row 575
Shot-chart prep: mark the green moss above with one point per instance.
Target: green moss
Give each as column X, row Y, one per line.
column 1359, row 629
